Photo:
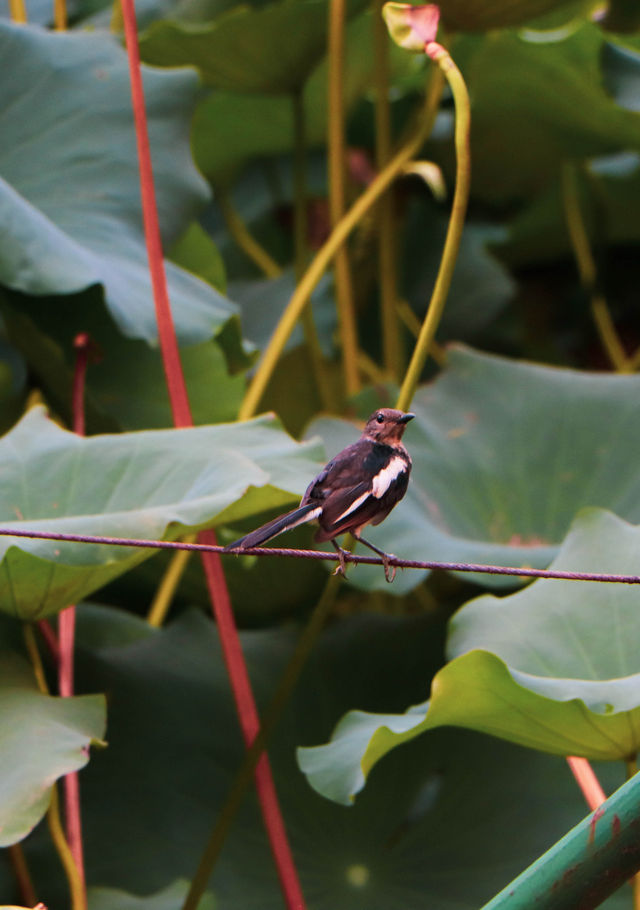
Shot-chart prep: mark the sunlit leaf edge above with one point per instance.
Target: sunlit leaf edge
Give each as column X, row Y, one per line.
column 477, row 691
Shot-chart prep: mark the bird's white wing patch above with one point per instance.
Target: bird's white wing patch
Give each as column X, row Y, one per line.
column 354, row 505
column 379, row 486
column 384, row 478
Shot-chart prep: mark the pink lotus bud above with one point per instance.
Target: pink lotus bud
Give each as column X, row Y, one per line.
column 412, row 27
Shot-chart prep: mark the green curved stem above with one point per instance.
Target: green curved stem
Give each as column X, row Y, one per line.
column 586, row 264
column 116, row 25
column 60, row 15
column 18, row 11
column 22, row 874
column 243, row 237
column 34, row 657
column 386, row 240
column 456, row 222
column 301, row 251
column 76, row 886
column 326, row 253
column 336, row 166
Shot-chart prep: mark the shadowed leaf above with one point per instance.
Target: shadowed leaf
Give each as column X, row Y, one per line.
column 477, row 15
column 504, row 455
column 552, row 107
column 447, row 801
column 271, row 50
column 76, row 222
column 168, row 899
column 555, row 667
column 147, row 484
column 233, row 127
column 41, row 739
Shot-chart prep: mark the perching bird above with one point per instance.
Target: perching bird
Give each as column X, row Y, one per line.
column 360, row 486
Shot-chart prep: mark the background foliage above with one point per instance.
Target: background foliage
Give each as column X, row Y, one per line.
column 526, row 415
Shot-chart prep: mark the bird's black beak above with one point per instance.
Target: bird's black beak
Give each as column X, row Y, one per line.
column 406, row 418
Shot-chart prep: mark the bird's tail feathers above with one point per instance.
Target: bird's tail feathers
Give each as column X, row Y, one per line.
column 279, row 525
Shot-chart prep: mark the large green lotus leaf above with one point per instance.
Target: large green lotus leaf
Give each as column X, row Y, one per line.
column 126, row 384
column 293, row 372
column 555, row 667
column 196, row 252
column 608, row 193
column 479, row 692
column 622, row 16
column 98, row 14
column 230, row 127
column 553, row 106
column 481, row 286
column 608, row 186
column 479, row 15
column 263, row 300
column 621, row 72
column 504, row 455
column 76, row 222
column 169, row 898
column 147, row 484
column 272, row 50
column 41, row 739
column 572, row 641
column 451, row 800
column 214, row 395
column 263, row 196
column 13, row 388
column 285, row 590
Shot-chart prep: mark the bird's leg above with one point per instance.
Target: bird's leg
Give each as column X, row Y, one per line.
column 341, row 568
column 388, row 570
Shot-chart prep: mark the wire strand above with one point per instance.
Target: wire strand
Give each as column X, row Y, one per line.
column 356, row 559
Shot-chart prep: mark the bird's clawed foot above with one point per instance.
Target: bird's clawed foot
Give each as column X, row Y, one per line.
column 341, row 568
column 389, row 571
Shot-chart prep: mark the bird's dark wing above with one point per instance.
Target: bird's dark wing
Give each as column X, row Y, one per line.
column 368, row 502
column 345, row 509
column 338, row 473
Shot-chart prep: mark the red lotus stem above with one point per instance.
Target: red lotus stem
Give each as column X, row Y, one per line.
column 174, row 376
column 178, row 397
column 82, row 344
column 66, row 635
column 250, row 724
column 67, row 625
column 587, row 781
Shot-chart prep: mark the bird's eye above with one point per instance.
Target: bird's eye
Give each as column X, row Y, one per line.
column 380, row 418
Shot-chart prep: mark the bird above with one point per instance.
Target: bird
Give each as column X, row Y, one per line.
column 358, row 487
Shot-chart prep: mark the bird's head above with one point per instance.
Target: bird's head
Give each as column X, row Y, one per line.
column 387, row 425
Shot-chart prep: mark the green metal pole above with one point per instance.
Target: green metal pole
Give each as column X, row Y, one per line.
column 590, row 862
